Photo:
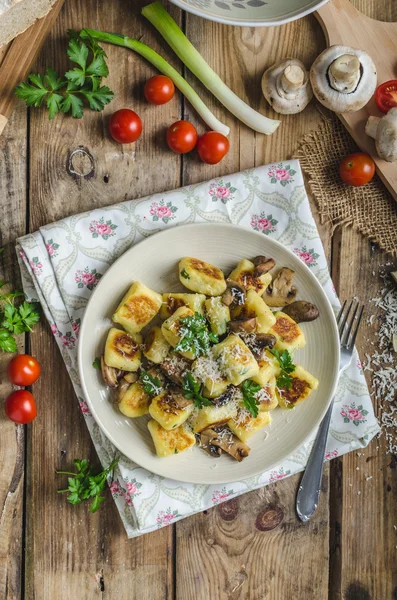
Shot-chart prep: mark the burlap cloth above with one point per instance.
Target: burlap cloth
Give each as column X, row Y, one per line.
column 370, row 209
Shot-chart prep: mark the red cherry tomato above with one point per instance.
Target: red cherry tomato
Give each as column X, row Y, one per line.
column 212, row 147
column 357, row 169
column 182, row 137
column 386, row 95
column 159, row 89
column 20, row 407
column 125, row 126
column 23, row 370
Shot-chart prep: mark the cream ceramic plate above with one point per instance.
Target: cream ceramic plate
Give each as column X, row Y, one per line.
column 154, row 261
column 251, row 13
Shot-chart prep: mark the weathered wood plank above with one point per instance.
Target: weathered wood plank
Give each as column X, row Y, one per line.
column 247, row 548
column 12, row 437
column 72, row 554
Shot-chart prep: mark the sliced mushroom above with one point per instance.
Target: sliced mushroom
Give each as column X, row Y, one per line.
column 384, row 131
column 225, row 397
column 204, row 440
column 281, row 291
column 258, row 342
column 286, row 86
column 121, row 389
column 234, row 293
column 131, row 377
column 223, row 438
column 110, row 375
column 244, row 325
column 174, row 367
column 302, row 311
column 343, row 78
column 263, row 265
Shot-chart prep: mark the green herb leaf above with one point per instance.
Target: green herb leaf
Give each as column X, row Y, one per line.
column 249, row 390
column 151, row 385
column 97, row 363
column 284, row 358
column 185, row 274
column 7, row 341
column 191, row 391
column 195, row 335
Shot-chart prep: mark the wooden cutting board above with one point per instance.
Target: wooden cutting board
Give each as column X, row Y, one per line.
column 344, row 24
column 17, row 58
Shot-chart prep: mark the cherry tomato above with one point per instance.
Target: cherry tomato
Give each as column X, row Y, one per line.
column 159, row 89
column 20, row 407
column 386, row 95
column 125, row 126
column 23, row 370
column 182, row 137
column 357, row 169
column 212, row 147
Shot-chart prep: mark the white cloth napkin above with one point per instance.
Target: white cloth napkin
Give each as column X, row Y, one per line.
column 62, row 263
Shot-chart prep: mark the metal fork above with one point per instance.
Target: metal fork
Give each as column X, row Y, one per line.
column 310, row 486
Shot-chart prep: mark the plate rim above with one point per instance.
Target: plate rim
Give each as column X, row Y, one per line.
column 260, row 238
column 248, row 23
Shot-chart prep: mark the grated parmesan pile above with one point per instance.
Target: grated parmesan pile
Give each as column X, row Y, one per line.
column 382, row 363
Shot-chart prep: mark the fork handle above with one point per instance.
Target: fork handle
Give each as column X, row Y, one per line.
column 310, row 486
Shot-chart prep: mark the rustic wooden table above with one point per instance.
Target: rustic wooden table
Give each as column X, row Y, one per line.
column 250, row 548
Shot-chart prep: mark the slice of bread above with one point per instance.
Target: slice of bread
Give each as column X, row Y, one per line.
column 18, row 15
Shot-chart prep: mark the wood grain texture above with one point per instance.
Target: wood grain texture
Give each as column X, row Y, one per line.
column 75, row 166
column 17, row 59
column 244, row 549
column 12, row 437
column 344, row 25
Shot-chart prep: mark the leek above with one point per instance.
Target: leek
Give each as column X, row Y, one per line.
column 161, row 64
column 166, row 26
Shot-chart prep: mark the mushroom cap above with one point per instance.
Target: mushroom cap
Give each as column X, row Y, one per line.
column 386, row 136
column 335, row 100
column 270, row 83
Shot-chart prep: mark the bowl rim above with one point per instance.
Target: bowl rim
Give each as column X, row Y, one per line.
column 335, row 374
column 248, row 23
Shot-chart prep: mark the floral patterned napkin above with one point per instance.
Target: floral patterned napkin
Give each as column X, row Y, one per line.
column 62, row 263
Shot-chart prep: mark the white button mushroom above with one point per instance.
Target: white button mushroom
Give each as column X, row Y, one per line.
column 343, row 79
column 384, row 131
column 286, row 86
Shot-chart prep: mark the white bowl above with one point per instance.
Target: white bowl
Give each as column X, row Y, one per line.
column 250, row 13
column 154, row 262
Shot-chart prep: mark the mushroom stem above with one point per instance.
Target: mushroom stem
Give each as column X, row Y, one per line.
column 291, row 81
column 344, row 73
column 371, row 126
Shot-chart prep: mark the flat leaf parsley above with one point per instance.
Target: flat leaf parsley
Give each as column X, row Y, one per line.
column 284, row 358
column 84, row 485
column 82, row 83
column 191, row 391
column 151, row 385
column 195, row 335
column 249, row 390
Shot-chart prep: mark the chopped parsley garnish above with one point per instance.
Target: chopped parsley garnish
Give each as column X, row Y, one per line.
column 185, row 274
column 151, row 385
column 284, row 358
column 195, row 335
column 191, row 391
column 249, row 390
column 83, row 485
column 97, row 363
column 82, row 83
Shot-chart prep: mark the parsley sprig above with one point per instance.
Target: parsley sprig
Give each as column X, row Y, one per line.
column 196, row 336
column 14, row 319
column 249, row 390
column 284, row 358
column 67, row 93
column 84, row 485
column 151, row 385
column 191, row 391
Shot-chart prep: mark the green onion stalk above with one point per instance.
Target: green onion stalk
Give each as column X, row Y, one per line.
column 164, row 67
column 166, row 26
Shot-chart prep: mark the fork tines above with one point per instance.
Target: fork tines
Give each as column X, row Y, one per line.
column 348, row 321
